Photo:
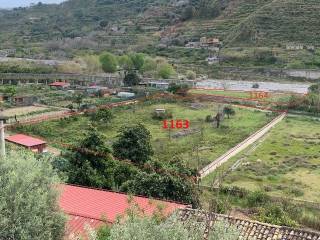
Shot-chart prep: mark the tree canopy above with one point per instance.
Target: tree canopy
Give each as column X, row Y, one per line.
column 229, row 111
column 165, row 71
column 131, row 79
column 108, row 62
column 28, row 206
column 91, row 163
column 134, row 143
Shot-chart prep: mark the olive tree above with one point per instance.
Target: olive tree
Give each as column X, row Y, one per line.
column 28, row 199
column 173, row 228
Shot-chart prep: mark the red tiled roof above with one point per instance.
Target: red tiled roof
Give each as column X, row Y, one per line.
column 25, row 140
column 91, row 206
column 59, row 84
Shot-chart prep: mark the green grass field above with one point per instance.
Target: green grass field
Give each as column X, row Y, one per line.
column 284, row 164
column 195, row 149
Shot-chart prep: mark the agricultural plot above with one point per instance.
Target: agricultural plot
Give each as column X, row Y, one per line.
column 285, row 164
column 268, row 97
column 197, row 146
column 19, row 111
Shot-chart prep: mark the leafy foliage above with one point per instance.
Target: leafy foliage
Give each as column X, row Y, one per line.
column 102, row 115
column 28, row 206
column 131, row 79
column 172, row 228
column 180, row 89
column 134, row 143
column 164, row 186
column 165, row 71
column 91, row 164
column 108, row 62
column 229, row 111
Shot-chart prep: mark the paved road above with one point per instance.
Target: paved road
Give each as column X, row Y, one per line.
column 241, row 146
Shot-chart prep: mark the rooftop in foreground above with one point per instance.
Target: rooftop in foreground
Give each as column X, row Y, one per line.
column 25, row 140
column 93, row 207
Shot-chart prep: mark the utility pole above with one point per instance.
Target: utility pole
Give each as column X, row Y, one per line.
column 3, row 119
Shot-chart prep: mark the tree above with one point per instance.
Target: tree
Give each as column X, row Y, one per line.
column 134, row 143
column 180, row 89
column 150, row 65
column 91, row 163
column 137, row 60
column 229, row 111
column 153, row 228
column 188, row 13
column 28, row 206
column 165, row 70
column 191, row 75
column 109, row 63
column 164, row 186
column 315, row 88
column 218, row 119
column 11, row 91
column 78, row 99
column 125, row 63
column 131, row 79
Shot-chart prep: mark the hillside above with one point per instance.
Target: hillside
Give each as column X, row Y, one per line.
column 254, row 32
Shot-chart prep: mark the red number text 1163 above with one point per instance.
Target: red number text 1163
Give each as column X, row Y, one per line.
column 173, row 124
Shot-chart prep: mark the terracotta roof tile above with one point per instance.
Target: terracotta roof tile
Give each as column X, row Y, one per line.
column 255, row 230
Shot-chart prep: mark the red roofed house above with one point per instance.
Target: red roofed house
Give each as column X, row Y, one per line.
column 60, row 85
column 92, row 207
column 34, row 144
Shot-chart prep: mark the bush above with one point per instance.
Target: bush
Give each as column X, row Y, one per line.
column 172, row 228
column 255, row 85
column 162, row 115
column 209, row 118
column 257, row 198
column 180, row 89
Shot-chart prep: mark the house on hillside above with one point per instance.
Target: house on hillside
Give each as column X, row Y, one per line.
column 192, row 45
column 94, row 208
column 98, row 90
column 210, row 42
column 34, row 144
column 60, row 85
column 7, row 52
column 159, row 85
column 213, row 60
column 293, row 46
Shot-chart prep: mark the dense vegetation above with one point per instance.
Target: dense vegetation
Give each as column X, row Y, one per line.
column 28, row 206
column 135, row 227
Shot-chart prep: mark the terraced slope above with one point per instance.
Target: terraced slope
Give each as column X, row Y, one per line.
column 279, row 22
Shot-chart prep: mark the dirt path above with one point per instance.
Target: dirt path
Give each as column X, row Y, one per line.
column 241, row 146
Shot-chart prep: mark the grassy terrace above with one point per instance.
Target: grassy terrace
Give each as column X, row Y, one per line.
column 284, row 164
column 210, row 144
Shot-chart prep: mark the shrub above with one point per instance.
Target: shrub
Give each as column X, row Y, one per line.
column 257, row 198
column 162, row 115
column 209, row 118
column 172, row 228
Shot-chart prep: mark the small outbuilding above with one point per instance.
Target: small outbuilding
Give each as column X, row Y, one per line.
column 60, row 85
column 125, row 95
column 34, row 144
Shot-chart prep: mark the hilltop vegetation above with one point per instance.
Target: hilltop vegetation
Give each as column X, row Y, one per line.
column 260, row 22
